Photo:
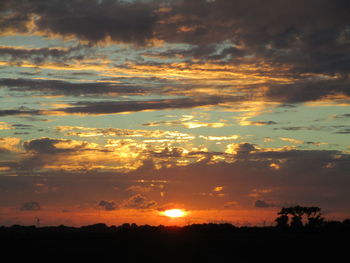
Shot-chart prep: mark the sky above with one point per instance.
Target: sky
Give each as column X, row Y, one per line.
column 114, row 111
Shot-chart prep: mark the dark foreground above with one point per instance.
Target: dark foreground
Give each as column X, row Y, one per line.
column 194, row 243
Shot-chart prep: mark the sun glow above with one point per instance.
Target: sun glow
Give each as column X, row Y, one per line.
column 173, row 213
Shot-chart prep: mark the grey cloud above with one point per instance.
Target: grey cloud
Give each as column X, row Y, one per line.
column 262, row 204
column 304, row 36
column 89, row 20
column 43, row 151
column 108, row 205
column 30, row 206
column 346, row 115
column 314, row 176
column 303, row 176
column 337, row 129
column 139, row 202
column 173, row 152
column 245, row 148
column 344, row 131
column 263, row 122
column 39, row 55
column 301, row 128
column 46, row 145
column 114, row 107
column 111, row 107
column 15, row 16
column 277, row 32
column 22, row 126
column 308, row 90
column 19, row 112
column 59, row 87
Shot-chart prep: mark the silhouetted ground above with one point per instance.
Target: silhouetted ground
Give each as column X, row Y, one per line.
column 194, row 243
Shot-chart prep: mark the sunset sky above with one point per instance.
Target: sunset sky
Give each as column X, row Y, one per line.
column 114, row 111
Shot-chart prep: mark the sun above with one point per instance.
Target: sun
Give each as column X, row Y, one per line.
column 173, row 213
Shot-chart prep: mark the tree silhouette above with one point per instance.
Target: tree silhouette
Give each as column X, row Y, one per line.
column 314, row 217
column 297, row 219
column 313, row 214
column 282, row 221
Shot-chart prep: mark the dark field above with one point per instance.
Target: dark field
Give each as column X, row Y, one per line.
column 194, row 243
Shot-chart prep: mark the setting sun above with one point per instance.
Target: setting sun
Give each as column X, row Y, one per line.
column 174, row 213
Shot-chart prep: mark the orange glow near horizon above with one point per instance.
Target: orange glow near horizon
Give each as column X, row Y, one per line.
column 174, row 213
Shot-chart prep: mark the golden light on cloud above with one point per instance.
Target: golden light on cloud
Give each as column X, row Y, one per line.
column 174, row 213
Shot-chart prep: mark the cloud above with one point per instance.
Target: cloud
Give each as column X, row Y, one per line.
column 113, row 107
column 344, row 131
column 30, row 206
column 262, row 204
column 230, row 204
column 133, row 133
column 92, row 21
column 5, row 126
column 138, row 201
column 9, row 144
column 240, row 148
column 39, row 55
column 342, row 116
column 294, row 141
column 52, row 146
column 108, row 205
column 257, row 123
column 139, row 189
column 22, row 126
column 309, row 89
column 277, row 32
column 223, row 45
column 20, row 112
column 186, row 121
column 169, row 206
column 59, row 154
column 246, row 178
column 220, row 138
column 60, row 87
column 186, row 124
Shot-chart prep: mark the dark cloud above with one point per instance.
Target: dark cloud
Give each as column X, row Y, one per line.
column 30, row 206
column 344, row 131
column 44, row 151
column 21, row 111
column 173, row 152
column 262, row 123
column 89, row 20
column 346, row 115
column 230, row 205
column 308, row 90
column 139, row 202
column 6, row 165
column 108, row 205
column 262, row 204
column 59, row 87
column 14, row 16
column 22, row 126
column 111, row 107
column 308, row 38
column 277, row 22
column 245, row 148
column 39, row 55
column 337, row 129
column 48, row 146
column 301, row 128
column 306, row 177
